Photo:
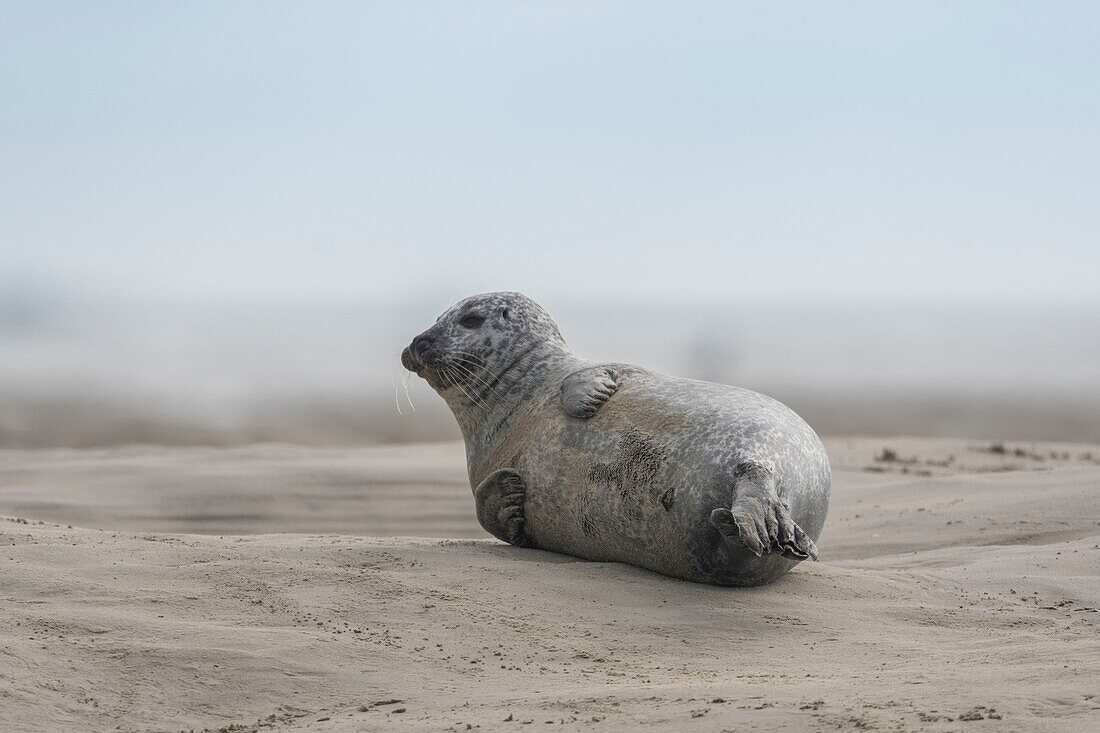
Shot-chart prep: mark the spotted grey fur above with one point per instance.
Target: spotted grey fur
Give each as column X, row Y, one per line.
column 612, row 462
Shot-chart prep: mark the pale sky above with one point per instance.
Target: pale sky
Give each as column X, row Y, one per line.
column 851, row 153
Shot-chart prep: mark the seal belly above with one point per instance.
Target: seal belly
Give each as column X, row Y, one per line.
column 606, row 494
column 612, row 489
column 636, row 483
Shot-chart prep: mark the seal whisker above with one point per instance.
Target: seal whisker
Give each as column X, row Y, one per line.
column 477, row 402
column 480, row 384
column 405, row 382
column 396, row 397
column 472, row 361
column 478, row 380
column 522, row 355
column 470, row 367
column 472, row 358
column 451, row 377
column 468, row 364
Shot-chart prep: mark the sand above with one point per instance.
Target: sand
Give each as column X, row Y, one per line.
column 959, row 589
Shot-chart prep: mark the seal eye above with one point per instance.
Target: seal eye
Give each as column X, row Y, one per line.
column 506, row 314
column 471, row 321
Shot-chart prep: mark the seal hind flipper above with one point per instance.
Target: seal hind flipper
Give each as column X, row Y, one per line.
column 760, row 519
column 584, row 392
column 499, row 503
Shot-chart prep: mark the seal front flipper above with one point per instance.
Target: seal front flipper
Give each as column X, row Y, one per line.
column 499, row 502
column 584, row 392
column 760, row 518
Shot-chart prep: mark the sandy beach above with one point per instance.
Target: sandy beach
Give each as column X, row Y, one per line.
column 265, row 267
column 282, row 588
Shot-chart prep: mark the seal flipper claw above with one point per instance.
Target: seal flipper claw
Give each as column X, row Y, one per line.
column 499, row 503
column 760, row 519
column 584, row 392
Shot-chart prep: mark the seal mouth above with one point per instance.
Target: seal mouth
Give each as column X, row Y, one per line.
column 425, row 365
column 410, row 362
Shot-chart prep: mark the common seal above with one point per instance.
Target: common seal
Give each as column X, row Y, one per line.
column 612, row 462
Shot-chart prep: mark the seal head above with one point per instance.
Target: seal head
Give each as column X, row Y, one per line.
column 482, row 351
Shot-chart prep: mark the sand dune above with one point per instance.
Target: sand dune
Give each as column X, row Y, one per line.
column 959, row 589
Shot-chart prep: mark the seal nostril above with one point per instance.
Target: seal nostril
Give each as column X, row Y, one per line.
column 420, row 344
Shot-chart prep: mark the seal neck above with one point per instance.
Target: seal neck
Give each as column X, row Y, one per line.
column 485, row 408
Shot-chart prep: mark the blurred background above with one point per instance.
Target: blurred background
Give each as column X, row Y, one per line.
column 220, row 223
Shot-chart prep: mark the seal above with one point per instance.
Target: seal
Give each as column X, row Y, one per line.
column 612, row 462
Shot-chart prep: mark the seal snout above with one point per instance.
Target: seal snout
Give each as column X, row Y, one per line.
column 418, row 354
column 407, row 360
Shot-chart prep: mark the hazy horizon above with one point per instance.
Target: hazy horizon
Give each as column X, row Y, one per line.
column 80, row 374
